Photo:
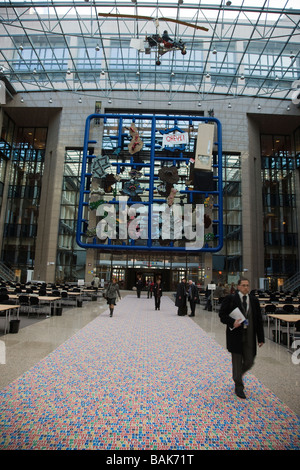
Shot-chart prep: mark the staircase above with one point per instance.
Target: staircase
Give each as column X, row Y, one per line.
column 6, row 274
column 292, row 283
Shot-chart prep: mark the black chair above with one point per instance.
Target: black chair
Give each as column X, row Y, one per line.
column 24, row 303
column 288, row 308
column 65, row 299
column 270, row 308
column 34, row 305
column 56, row 293
column 4, row 298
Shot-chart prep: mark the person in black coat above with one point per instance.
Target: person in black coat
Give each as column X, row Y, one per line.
column 139, row 286
column 193, row 296
column 241, row 337
column 157, row 290
column 181, row 296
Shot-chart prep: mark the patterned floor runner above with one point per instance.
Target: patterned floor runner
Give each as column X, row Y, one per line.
column 143, row 379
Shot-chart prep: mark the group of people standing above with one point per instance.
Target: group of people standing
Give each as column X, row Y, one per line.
column 153, row 288
column 186, row 292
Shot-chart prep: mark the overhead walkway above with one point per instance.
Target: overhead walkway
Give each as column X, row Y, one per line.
column 141, row 380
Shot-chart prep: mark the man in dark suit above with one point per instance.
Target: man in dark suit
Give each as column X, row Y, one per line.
column 157, row 290
column 193, row 296
column 181, row 296
column 241, row 336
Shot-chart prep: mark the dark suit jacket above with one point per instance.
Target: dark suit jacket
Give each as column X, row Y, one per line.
column 157, row 289
column 195, row 293
column 234, row 337
column 181, row 292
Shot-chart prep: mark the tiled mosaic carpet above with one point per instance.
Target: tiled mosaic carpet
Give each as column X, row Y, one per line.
column 143, row 379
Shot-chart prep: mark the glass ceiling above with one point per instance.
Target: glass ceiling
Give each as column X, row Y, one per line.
column 232, row 48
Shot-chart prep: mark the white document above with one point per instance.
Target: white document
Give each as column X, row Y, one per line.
column 236, row 314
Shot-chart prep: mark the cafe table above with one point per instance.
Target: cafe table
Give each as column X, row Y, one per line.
column 288, row 318
column 7, row 309
column 49, row 299
column 42, row 298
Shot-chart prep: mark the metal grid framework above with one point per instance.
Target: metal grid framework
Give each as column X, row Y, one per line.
column 250, row 48
column 142, row 194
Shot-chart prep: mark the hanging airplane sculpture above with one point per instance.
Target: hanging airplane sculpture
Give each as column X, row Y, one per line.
column 161, row 43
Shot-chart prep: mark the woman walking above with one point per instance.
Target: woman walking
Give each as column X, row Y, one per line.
column 111, row 295
column 157, row 289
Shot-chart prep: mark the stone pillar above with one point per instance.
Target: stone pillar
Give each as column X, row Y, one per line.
column 252, row 213
column 90, row 265
column 49, row 210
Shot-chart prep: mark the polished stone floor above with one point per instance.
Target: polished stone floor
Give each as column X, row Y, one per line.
column 274, row 366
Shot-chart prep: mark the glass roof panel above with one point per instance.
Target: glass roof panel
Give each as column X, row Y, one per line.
column 238, row 47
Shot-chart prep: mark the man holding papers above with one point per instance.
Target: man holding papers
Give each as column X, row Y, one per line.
column 242, row 315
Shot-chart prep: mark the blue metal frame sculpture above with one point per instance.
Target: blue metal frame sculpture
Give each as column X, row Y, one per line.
column 149, row 162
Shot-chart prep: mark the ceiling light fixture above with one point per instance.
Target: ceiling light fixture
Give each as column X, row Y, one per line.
column 229, row 105
column 50, row 101
column 259, row 106
column 80, row 100
column 97, row 48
